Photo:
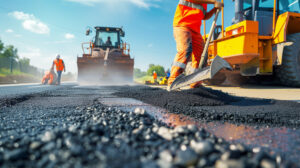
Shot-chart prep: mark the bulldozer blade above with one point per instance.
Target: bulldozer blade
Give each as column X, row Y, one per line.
column 201, row 74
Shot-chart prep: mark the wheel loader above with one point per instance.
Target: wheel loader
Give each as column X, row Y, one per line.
column 106, row 59
column 262, row 43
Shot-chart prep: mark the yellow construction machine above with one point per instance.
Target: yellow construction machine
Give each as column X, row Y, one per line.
column 262, row 43
column 106, row 59
column 162, row 81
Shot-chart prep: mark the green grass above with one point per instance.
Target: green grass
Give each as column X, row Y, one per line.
column 143, row 79
column 5, row 72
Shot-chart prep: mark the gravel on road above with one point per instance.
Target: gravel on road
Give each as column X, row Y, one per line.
column 69, row 128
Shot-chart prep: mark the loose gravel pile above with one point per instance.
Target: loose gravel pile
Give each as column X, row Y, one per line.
column 204, row 104
column 107, row 137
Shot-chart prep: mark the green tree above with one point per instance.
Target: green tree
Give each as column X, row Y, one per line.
column 24, row 64
column 8, row 56
column 1, row 47
column 138, row 73
column 151, row 65
column 10, row 52
column 157, row 68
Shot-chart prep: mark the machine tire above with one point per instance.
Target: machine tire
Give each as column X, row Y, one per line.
column 217, row 80
column 289, row 72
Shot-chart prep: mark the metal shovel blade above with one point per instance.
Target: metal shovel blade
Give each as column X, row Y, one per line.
column 201, row 74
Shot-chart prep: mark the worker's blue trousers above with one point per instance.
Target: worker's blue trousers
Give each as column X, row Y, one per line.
column 58, row 77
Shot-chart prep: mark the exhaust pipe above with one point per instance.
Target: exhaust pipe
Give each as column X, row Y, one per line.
column 239, row 11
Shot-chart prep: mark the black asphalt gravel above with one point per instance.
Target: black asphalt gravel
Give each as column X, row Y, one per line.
column 205, row 104
column 68, row 127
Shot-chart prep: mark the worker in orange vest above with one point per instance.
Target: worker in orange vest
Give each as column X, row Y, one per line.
column 154, row 76
column 49, row 77
column 187, row 22
column 60, row 66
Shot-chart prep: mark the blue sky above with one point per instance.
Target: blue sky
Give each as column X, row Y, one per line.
column 42, row 28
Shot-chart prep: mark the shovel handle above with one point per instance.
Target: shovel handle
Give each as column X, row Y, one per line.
column 212, row 29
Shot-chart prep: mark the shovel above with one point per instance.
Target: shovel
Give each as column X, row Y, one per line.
column 204, row 73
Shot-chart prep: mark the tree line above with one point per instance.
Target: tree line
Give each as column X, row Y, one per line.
column 9, row 59
column 160, row 70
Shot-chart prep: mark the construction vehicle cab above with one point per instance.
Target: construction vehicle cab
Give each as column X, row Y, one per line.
column 262, row 11
column 108, row 37
column 106, row 59
column 263, row 40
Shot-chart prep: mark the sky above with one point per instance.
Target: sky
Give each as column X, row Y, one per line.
column 40, row 29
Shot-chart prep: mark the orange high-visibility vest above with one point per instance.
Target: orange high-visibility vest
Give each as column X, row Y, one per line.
column 189, row 15
column 59, row 65
column 154, row 75
column 48, row 76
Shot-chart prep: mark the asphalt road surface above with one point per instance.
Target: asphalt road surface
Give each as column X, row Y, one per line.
column 257, row 91
column 264, row 92
column 23, row 89
column 137, row 126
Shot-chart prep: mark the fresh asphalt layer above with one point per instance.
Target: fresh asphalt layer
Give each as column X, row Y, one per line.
column 205, row 104
column 38, row 112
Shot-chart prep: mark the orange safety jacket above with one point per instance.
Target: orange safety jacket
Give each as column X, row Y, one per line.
column 189, row 15
column 154, row 75
column 59, row 64
column 48, row 76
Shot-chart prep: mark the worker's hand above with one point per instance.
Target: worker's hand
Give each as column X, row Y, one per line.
column 64, row 70
column 219, row 5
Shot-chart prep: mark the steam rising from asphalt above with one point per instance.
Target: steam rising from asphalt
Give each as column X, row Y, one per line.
column 105, row 78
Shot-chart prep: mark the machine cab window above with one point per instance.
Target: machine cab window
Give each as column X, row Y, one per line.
column 289, row 6
column 107, row 39
column 266, row 4
column 247, row 9
column 247, row 4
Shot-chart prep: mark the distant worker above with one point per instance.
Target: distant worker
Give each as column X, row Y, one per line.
column 60, row 66
column 187, row 22
column 168, row 74
column 108, row 42
column 154, row 76
column 49, row 77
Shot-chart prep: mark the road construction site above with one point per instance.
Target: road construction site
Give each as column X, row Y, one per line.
column 126, row 126
column 107, row 120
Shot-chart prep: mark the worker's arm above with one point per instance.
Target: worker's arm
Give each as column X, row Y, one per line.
column 203, row 1
column 43, row 80
column 64, row 66
column 210, row 14
column 52, row 67
column 217, row 4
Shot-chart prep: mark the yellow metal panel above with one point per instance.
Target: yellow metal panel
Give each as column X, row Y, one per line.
column 239, row 47
column 280, row 30
column 287, row 23
column 249, row 26
column 245, row 43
